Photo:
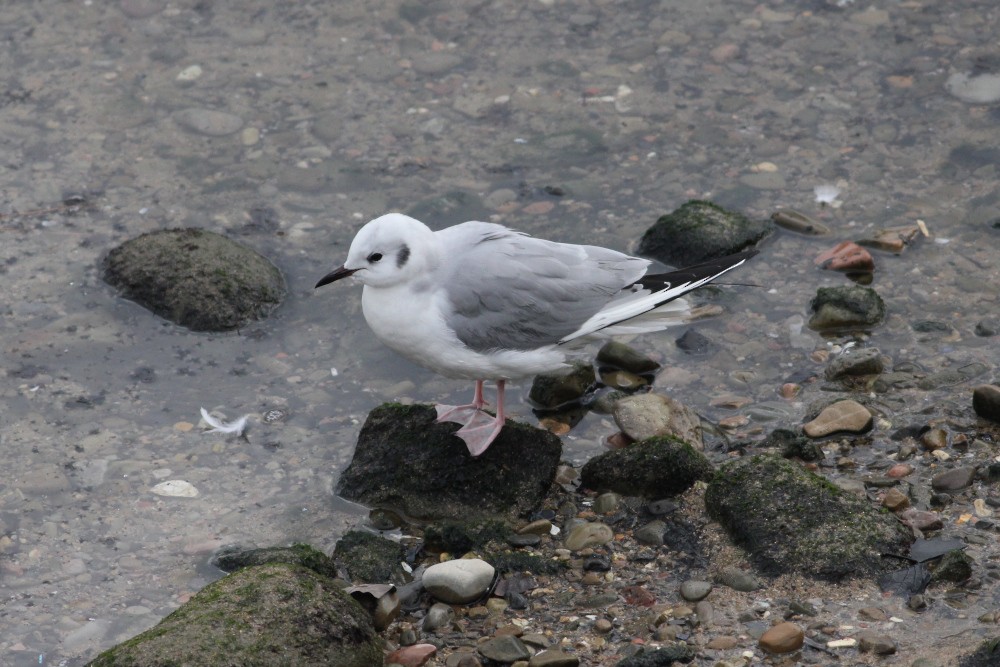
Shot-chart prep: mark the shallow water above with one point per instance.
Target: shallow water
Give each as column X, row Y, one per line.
column 580, row 122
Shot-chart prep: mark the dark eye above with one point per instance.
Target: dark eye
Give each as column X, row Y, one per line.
column 374, row 257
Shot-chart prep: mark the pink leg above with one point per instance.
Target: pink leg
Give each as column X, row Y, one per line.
column 462, row 414
column 480, row 432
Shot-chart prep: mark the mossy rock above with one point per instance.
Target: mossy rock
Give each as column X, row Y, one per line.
column 263, row 616
column 791, row 520
column 846, row 308
column 653, row 468
column 699, row 231
column 233, row 559
column 370, row 559
column 195, row 278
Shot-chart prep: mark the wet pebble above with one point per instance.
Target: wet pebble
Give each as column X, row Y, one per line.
column 651, row 533
column 782, row 638
column 647, row 415
column 899, row 470
column 586, row 535
column 986, row 402
column 848, row 257
column 953, row 480
column 596, row 563
column 935, row 438
column 176, row 488
column 553, row 658
column 412, row 656
column 458, row 581
column 847, row 415
column 624, row 357
column 606, row 503
column 798, row 222
column 438, row 616
column 895, row 500
column 705, row 613
column 737, row 579
column 208, row 122
column 693, row 590
column 872, row 642
column 921, row 519
column 866, row 361
column 504, row 649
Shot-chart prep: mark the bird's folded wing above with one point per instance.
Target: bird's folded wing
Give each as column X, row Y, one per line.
column 509, row 291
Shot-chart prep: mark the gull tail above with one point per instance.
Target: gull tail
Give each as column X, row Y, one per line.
column 653, row 302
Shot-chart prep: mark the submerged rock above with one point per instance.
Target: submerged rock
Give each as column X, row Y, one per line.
column 654, row 468
column 699, row 231
column 369, row 558
column 268, row 614
column 839, row 308
column 234, row 558
column 407, row 461
column 986, row 402
column 195, row 278
column 790, row 520
column 646, row 416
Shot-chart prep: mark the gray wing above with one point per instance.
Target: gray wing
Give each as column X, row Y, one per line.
column 510, row 291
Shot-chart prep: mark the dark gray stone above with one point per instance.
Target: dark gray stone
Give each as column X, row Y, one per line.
column 408, row 461
column 986, row 402
column 653, row 468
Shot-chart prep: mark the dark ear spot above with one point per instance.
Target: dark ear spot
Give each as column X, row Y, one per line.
column 403, row 256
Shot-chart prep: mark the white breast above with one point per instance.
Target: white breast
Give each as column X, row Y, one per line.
column 412, row 323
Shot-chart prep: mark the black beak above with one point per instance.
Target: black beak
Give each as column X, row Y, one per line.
column 336, row 274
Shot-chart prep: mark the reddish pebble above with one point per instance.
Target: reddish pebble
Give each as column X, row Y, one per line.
column 847, row 256
column 617, row 441
column 539, row 207
column 790, row 390
column 733, row 422
column 899, row 470
column 412, row 656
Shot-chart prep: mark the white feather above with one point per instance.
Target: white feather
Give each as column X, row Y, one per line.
column 219, row 426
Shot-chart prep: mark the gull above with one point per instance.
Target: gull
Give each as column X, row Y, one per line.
column 479, row 301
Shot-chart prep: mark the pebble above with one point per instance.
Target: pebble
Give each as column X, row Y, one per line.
column 553, row 658
column 412, row 656
column 208, row 122
column 895, row 500
column 722, row 644
column 737, row 579
column 504, row 649
column 606, row 503
column 176, row 488
column 847, row 415
column 588, row 535
column 866, row 361
column 694, row 591
column 921, row 519
column 899, row 470
column 871, row 642
column 849, row 642
column 705, row 613
column 782, row 638
column 986, row 402
column 848, row 257
column 798, row 222
column 438, row 616
column 603, row 626
column 651, row 533
column 935, row 438
column 647, row 415
column 982, row 88
column 537, row 527
column 953, row 480
column 458, row 581
column 872, row 614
